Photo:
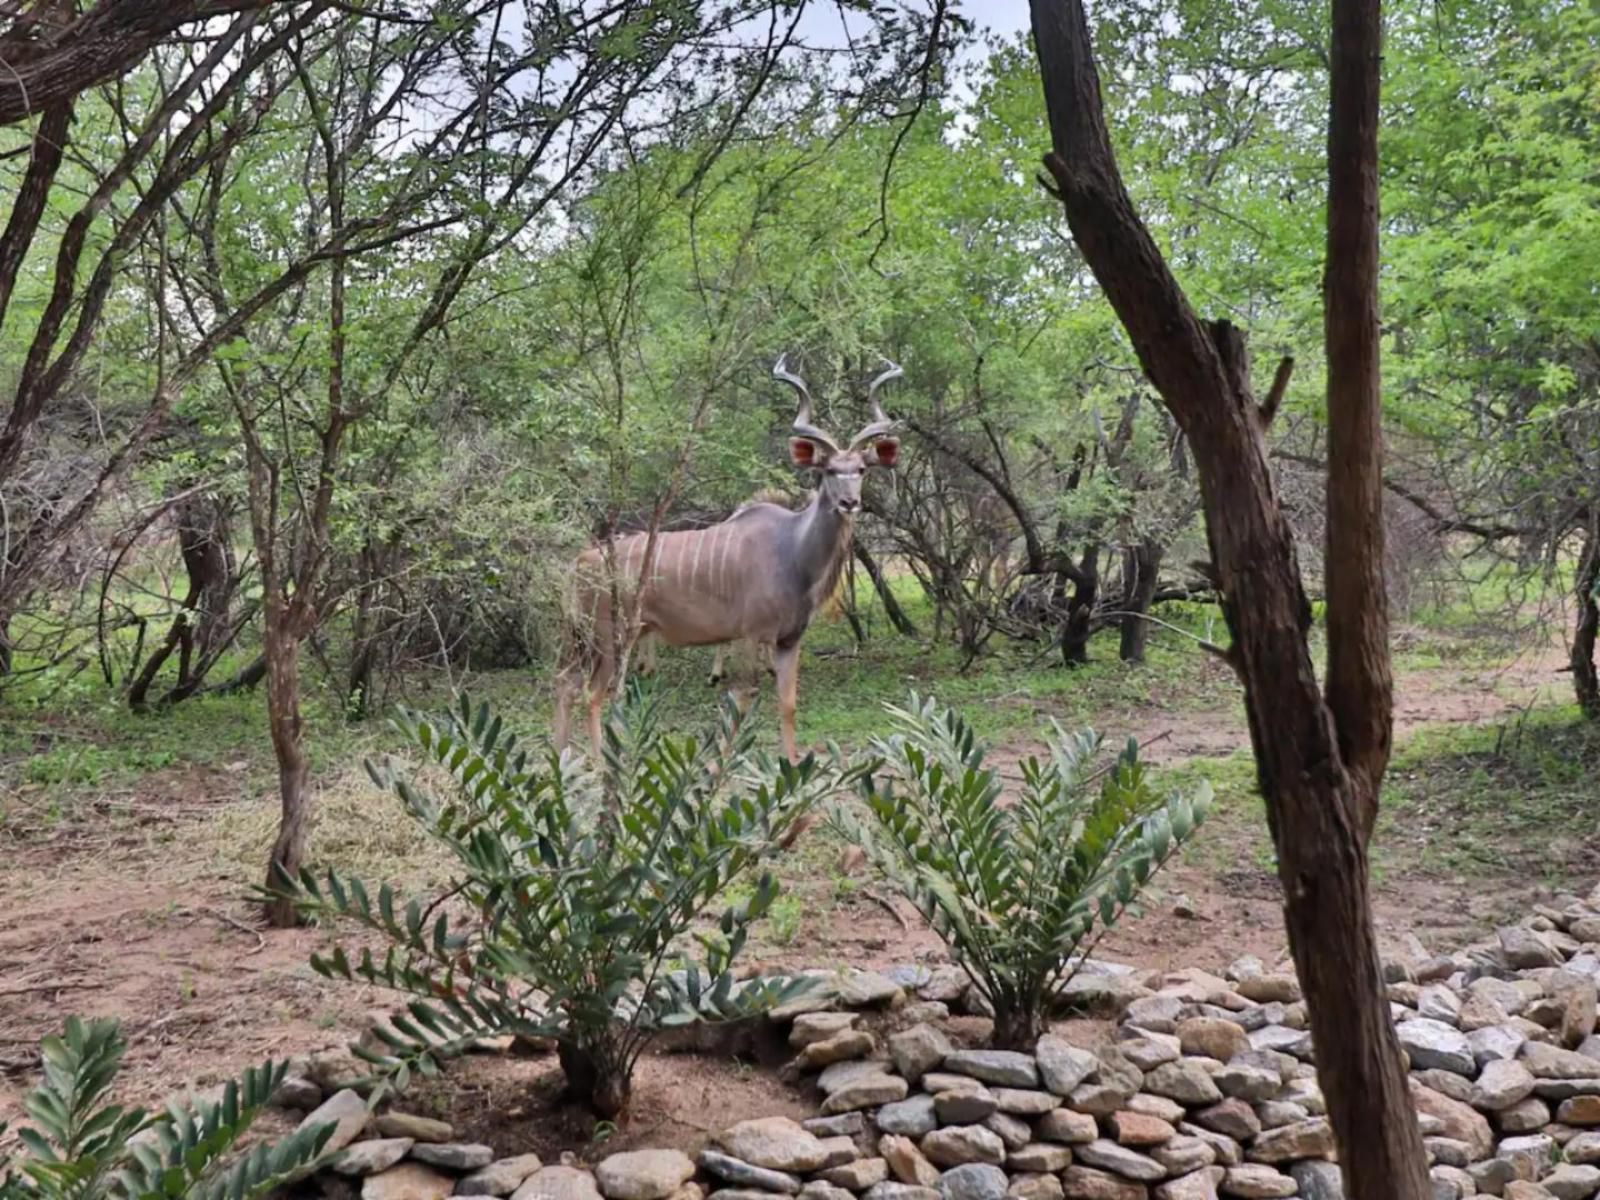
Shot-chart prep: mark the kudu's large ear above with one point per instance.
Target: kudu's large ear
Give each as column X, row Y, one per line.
column 884, row 452
column 808, row 452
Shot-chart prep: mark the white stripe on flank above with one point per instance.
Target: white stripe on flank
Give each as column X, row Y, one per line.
column 727, row 546
column 694, row 570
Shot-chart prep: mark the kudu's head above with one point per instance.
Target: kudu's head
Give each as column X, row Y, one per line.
column 840, row 468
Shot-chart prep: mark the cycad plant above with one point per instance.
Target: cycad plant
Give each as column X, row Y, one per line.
column 80, row 1147
column 1017, row 886
column 582, row 898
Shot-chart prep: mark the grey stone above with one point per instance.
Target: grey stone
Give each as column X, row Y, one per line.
column 418, row 1129
column 909, row 976
column 1532, row 1154
column 1495, row 1043
column 890, row 1190
column 1439, row 1003
column 1186, row 1082
column 499, row 1178
column 1089, row 1183
column 1317, row 1180
column 1525, row 1116
column 1214, row 1037
column 1501, row 1084
column 1280, row 1037
column 959, row 1144
column 1100, row 1099
column 1046, row 1157
column 643, row 1174
column 740, row 1193
column 298, row 1093
column 1490, row 1176
column 926, row 1012
column 1062, row 1066
column 736, row 1170
column 1256, row 1181
column 1275, row 1114
column 370, row 1157
column 1304, row 1139
column 906, row 1162
column 1158, row 1014
column 846, row 1046
column 816, row 1189
column 1024, row 1102
column 1251, row 1076
column 858, row 1176
column 946, row 985
column 776, row 1143
column 557, row 1183
column 964, row 1106
column 1228, row 1151
column 1182, row 1154
column 1035, row 1187
column 911, row 1118
column 1013, row 1131
column 1130, row 1164
column 1005, row 1067
column 935, row 1082
column 347, row 1112
column 407, row 1181
column 866, row 989
column 1583, row 1149
column 1434, row 1044
column 1151, row 1050
column 1067, row 1127
column 868, row 1092
column 1197, row 1185
column 1234, row 1118
column 844, row 1125
column 918, row 1050
column 1569, row 1182
column 973, row 1181
column 1523, row 947
column 454, row 1156
column 1552, row 1062
column 819, row 1027
column 1457, row 1087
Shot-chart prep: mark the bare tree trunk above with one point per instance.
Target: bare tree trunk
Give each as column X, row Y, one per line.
column 202, row 538
column 1585, row 679
column 294, row 775
column 1141, row 568
column 1079, row 625
column 891, row 606
column 1319, row 777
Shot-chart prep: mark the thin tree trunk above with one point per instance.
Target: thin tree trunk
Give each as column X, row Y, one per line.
column 202, row 538
column 1319, row 778
column 1585, row 679
column 1141, row 569
column 1079, row 626
column 891, row 606
column 294, row 775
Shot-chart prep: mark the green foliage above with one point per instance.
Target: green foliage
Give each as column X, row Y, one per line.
column 1015, row 888
column 81, row 1147
column 577, row 890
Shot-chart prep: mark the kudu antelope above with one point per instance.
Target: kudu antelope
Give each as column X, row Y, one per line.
column 759, row 576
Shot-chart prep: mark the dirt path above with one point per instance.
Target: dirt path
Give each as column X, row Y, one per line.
column 134, row 928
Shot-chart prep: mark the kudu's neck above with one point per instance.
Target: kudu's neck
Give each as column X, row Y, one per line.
column 824, row 535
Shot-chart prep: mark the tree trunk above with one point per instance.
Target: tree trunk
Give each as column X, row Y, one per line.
column 294, row 774
column 1585, row 679
column 1319, row 759
column 202, row 538
column 1079, row 625
column 1141, row 568
column 891, row 606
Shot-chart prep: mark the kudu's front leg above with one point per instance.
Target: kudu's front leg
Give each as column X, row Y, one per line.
column 786, row 663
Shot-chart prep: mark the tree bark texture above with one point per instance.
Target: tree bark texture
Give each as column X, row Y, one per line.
column 1141, row 569
column 283, row 638
column 89, row 49
column 1586, row 590
column 1317, row 801
column 196, row 630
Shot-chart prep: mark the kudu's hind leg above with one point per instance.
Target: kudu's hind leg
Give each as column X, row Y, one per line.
column 786, row 664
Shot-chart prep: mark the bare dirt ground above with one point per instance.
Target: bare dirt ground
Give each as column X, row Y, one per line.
column 131, row 925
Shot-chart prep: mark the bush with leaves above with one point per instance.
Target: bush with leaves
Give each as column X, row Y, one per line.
column 579, row 893
column 1014, row 886
column 83, row 1148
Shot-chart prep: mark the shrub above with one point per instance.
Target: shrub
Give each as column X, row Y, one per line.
column 577, row 892
column 82, row 1148
column 1014, row 888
